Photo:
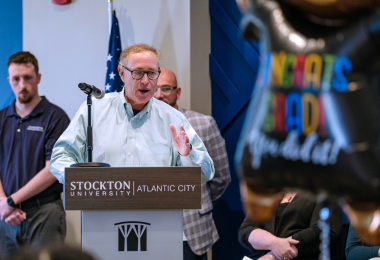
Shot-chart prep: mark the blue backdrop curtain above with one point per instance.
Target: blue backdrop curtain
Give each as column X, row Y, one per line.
column 10, row 42
column 233, row 69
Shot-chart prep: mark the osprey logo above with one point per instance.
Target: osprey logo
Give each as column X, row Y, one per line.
column 132, row 235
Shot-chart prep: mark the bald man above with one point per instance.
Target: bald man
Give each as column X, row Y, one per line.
column 199, row 228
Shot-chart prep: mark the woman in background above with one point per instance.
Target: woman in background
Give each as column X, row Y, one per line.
column 293, row 231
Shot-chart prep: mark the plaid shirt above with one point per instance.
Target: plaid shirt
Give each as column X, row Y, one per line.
column 198, row 224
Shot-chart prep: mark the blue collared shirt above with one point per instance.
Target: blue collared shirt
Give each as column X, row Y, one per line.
column 124, row 140
column 26, row 144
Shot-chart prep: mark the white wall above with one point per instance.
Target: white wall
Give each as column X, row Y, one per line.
column 200, row 48
column 71, row 42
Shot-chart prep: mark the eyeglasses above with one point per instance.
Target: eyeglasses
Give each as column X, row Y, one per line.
column 139, row 74
column 166, row 89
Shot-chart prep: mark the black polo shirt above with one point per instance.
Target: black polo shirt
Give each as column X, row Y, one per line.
column 26, row 144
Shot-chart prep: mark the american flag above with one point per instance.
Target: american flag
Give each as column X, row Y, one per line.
column 113, row 80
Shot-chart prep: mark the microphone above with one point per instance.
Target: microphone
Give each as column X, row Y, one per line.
column 92, row 90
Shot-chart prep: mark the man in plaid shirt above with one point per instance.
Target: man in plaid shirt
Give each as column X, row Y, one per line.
column 198, row 225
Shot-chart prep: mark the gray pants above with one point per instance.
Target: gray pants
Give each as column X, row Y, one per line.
column 44, row 225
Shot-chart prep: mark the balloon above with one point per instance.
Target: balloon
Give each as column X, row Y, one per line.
column 334, row 8
column 314, row 120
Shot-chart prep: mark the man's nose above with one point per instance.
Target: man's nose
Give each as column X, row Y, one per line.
column 21, row 83
column 145, row 79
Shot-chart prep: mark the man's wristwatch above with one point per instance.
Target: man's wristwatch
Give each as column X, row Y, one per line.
column 11, row 202
column 191, row 148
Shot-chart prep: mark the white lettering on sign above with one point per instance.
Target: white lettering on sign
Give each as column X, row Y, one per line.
column 102, row 185
column 182, row 188
column 323, row 152
column 121, row 188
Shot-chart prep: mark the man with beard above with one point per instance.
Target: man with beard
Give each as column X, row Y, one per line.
column 31, row 209
column 199, row 228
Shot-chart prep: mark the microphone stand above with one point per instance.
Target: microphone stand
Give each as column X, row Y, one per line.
column 89, row 142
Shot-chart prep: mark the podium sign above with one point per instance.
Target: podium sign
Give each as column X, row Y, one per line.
column 133, row 212
column 131, row 188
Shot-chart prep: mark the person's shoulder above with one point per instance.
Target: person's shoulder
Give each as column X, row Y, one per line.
column 4, row 111
column 193, row 114
column 198, row 118
column 107, row 99
column 110, row 95
column 305, row 197
column 167, row 109
column 54, row 110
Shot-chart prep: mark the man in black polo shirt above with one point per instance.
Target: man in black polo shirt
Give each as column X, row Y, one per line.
column 31, row 209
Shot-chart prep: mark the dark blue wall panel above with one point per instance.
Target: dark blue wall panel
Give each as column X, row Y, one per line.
column 10, row 42
column 233, row 69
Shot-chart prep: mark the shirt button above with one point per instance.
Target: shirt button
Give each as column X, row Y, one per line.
column 192, row 157
column 19, row 130
column 131, row 136
column 129, row 154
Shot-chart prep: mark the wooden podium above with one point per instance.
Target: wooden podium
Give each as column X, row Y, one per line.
column 133, row 212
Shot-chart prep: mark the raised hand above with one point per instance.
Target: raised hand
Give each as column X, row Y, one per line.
column 180, row 140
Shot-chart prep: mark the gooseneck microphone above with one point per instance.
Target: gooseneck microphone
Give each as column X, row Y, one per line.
column 97, row 93
column 91, row 90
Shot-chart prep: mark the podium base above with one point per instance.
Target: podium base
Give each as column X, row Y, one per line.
column 90, row 164
column 137, row 235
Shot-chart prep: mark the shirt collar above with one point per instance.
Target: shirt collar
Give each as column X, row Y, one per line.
column 124, row 103
column 37, row 110
column 41, row 106
column 11, row 111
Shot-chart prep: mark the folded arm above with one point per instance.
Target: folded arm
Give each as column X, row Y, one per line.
column 309, row 237
column 357, row 250
column 40, row 182
column 261, row 241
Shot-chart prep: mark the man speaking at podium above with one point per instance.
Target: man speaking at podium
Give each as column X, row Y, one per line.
column 131, row 128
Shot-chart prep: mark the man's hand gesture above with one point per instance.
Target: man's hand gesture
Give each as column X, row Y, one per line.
column 180, row 141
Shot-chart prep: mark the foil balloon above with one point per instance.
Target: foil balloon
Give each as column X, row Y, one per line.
column 326, row 8
column 334, row 8
column 314, row 119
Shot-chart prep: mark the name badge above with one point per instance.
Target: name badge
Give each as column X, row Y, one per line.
column 35, row 128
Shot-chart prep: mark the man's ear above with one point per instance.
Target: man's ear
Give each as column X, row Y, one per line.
column 121, row 72
column 178, row 92
column 39, row 78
